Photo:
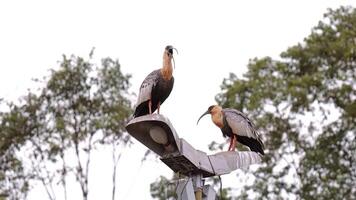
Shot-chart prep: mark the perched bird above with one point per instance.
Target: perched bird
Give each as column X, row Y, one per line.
column 156, row 87
column 237, row 126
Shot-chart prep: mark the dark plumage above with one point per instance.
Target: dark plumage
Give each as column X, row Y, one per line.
column 159, row 90
column 237, row 126
column 156, row 87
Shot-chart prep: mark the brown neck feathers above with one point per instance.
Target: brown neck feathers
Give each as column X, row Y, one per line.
column 216, row 116
column 217, row 119
column 167, row 69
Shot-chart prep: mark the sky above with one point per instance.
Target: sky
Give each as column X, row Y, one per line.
column 213, row 38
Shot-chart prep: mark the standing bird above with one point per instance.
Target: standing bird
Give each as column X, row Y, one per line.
column 237, row 126
column 156, row 87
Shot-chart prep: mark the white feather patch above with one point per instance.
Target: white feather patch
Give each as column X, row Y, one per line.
column 146, row 87
column 145, row 94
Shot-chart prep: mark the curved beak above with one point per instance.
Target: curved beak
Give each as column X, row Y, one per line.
column 207, row 112
column 170, row 49
column 171, row 52
column 174, row 63
column 175, row 50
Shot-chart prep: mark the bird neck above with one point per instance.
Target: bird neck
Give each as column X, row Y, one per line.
column 217, row 119
column 167, row 69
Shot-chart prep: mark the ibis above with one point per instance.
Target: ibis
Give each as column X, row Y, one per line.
column 237, row 126
column 157, row 86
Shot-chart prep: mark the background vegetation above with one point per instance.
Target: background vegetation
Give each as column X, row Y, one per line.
column 305, row 107
column 303, row 103
column 80, row 107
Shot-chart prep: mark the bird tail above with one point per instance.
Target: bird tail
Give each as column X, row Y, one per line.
column 258, row 149
column 142, row 109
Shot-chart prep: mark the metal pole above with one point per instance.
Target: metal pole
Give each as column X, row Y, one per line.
column 199, row 194
column 198, row 184
column 185, row 190
column 183, row 157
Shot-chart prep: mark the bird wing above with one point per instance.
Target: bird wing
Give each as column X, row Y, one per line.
column 146, row 87
column 241, row 125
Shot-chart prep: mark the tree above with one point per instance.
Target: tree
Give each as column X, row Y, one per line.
column 14, row 183
column 80, row 108
column 163, row 189
column 305, row 107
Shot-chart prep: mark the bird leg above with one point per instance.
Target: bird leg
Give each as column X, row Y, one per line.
column 230, row 144
column 233, row 146
column 150, row 106
column 158, row 106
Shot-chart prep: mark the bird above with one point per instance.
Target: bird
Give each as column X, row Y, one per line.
column 237, row 126
column 157, row 86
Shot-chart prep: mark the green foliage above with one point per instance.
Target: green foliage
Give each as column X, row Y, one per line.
column 80, row 107
column 223, row 193
column 13, row 130
column 163, row 189
column 304, row 106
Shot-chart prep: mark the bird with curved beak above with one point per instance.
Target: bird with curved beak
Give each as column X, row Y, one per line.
column 157, row 86
column 237, row 126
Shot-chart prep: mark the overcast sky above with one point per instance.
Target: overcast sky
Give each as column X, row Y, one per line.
column 213, row 38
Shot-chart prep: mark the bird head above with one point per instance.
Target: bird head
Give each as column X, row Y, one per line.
column 214, row 109
column 169, row 52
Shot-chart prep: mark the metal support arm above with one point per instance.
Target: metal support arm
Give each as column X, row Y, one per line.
column 157, row 133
